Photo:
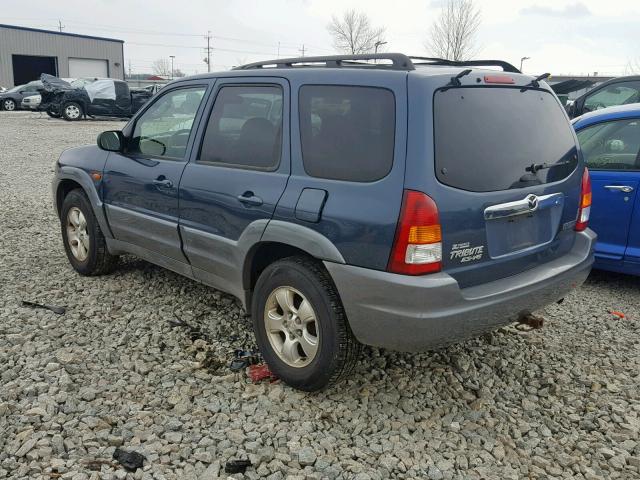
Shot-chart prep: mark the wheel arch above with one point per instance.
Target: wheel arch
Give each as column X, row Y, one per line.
column 70, row 178
column 281, row 240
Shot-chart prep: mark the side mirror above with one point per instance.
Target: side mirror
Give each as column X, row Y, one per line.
column 111, row 141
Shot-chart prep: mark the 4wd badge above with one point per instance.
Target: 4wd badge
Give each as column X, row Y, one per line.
column 466, row 253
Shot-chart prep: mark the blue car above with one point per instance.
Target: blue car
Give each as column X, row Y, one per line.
column 610, row 142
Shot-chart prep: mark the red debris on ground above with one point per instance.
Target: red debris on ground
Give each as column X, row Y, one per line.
column 617, row 314
column 260, row 372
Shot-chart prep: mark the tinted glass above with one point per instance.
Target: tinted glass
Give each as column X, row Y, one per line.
column 347, row 133
column 245, row 128
column 487, row 139
column 612, row 145
column 616, row 94
column 164, row 129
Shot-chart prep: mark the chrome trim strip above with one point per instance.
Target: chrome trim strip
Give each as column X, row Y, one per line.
column 527, row 205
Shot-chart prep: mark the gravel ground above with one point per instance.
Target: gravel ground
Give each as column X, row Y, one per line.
column 561, row 402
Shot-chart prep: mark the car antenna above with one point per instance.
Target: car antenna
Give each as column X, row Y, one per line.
column 535, row 83
column 455, row 81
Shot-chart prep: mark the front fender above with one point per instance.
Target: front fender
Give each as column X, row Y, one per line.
column 90, row 187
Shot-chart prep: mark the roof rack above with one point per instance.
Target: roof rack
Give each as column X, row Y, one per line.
column 399, row 61
column 506, row 66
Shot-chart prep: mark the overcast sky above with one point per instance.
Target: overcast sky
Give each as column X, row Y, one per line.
column 560, row 36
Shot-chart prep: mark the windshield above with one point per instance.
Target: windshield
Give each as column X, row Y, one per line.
column 493, row 138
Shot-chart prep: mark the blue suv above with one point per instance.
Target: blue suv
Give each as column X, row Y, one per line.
column 398, row 202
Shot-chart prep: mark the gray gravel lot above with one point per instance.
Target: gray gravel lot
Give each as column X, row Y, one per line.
column 561, row 402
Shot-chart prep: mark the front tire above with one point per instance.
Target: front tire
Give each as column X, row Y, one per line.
column 72, row 111
column 53, row 114
column 300, row 325
column 84, row 242
column 9, row 105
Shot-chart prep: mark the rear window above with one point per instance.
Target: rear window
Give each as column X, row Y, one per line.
column 347, row 133
column 488, row 138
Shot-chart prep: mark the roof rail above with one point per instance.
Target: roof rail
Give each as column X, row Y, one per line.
column 506, row 66
column 399, row 61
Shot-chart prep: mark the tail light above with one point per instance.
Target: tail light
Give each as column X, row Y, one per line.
column 417, row 248
column 585, row 202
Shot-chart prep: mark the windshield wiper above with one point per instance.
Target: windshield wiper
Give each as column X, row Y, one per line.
column 455, row 81
column 535, row 83
column 535, row 167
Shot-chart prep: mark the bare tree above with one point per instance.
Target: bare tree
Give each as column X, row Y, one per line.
column 162, row 67
column 453, row 34
column 632, row 67
column 353, row 33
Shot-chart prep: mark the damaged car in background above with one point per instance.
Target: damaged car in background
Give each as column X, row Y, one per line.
column 93, row 97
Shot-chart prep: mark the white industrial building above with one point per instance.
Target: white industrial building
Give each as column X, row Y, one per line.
column 26, row 53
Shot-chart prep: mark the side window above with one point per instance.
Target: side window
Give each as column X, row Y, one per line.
column 616, row 94
column 245, row 128
column 163, row 130
column 347, row 133
column 612, row 145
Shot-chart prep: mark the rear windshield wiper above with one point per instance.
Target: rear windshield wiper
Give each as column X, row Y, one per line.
column 535, row 83
column 535, row 167
column 455, row 81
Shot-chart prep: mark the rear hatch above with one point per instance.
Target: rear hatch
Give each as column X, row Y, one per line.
column 507, row 177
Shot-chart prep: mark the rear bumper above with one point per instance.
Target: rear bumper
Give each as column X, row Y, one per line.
column 419, row 313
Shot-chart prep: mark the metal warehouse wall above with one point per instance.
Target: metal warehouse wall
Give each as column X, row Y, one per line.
column 28, row 42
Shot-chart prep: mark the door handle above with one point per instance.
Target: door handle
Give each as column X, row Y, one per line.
column 163, row 183
column 248, row 198
column 620, row 188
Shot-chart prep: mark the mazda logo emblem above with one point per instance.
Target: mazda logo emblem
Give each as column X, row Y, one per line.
column 532, row 200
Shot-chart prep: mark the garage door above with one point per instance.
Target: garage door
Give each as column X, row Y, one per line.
column 88, row 67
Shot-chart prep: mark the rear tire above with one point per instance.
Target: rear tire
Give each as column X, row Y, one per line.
column 72, row 111
column 315, row 349
column 83, row 240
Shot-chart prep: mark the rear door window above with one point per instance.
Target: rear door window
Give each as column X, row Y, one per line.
column 491, row 138
column 245, row 128
column 347, row 132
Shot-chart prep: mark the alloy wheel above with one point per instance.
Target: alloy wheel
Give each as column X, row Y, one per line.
column 9, row 105
column 77, row 235
column 292, row 326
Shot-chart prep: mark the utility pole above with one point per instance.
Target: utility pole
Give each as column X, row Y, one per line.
column 302, row 50
column 378, row 44
column 60, row 26
column 522, row 61
column 208, row 61
column 278, row 50
column 129, row 69
column 172, row 70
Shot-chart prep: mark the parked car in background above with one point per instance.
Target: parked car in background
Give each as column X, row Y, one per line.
column 12, row 98
column 155, row 88
column 405, row 204
column 614, row 92
column 31, row 102
column 90, row 97
column 610, row 143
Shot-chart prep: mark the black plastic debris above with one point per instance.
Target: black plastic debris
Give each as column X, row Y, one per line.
column 53, row 308
column 237, row 466
column 131, row 461
column 243, row 358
